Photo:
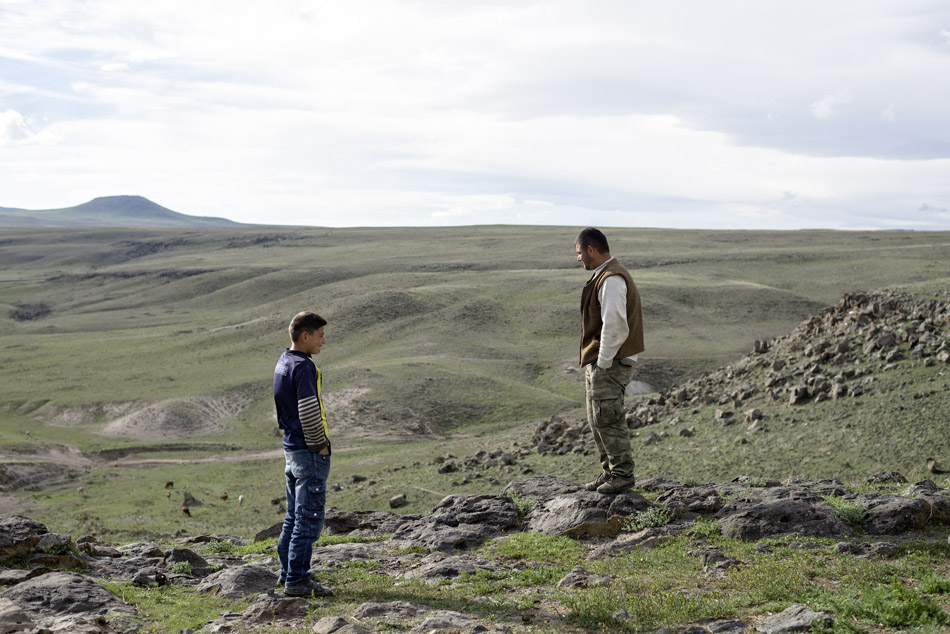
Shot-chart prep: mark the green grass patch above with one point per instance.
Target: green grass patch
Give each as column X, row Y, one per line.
column 170, row 609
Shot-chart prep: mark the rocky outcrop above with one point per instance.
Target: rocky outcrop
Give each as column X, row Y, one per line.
column 779, row 511
column 436, row 548
column 832, row 355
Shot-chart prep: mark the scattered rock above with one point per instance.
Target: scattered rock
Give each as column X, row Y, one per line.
column 647, row 538
column 393, row 610
column 796, row 618
column 580, row 578
column 446, row 620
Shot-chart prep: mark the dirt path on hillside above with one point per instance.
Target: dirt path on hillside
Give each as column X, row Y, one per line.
column 272, row 454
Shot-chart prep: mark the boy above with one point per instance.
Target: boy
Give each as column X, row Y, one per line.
column 298, row 390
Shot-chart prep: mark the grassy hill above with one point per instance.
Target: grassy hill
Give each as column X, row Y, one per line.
column 109, row 211
column 160, row 344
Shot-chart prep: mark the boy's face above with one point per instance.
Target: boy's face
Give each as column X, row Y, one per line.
column 311, row 342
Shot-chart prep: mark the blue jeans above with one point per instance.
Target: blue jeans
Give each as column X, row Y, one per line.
column 306, row 495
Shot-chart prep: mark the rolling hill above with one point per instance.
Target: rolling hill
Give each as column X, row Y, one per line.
column 109, row 211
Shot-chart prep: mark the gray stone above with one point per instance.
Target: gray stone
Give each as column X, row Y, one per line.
column 234, row 583
column 584, row 513
column 780, row 511
column 497, row 511
column 142, row 549
column 62, row 593
column 647, row 538
column 363, row 523
column 19, row 536
column 437, row 536
column 398, row 501
column 892, row 514
column 447, row 620
column 274, row 607
column 820, row 487
column 796, row 618
column 438, row 567
column 393, row 610
column 341, row 554
column 337, row 625
column 270, row 532
column 886, row 477
column 541, row 487
column 703, row 499
column 580, row 578
column 13, row 618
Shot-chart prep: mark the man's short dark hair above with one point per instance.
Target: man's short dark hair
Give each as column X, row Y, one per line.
column 305, row 321
column 591, row 237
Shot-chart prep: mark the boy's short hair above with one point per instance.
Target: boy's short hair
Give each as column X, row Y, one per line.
column 305, row 321
column 591, row 237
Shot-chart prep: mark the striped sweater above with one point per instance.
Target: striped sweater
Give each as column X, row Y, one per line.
column 298, row 396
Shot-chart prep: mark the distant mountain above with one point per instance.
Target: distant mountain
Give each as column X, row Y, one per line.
column 109, row 211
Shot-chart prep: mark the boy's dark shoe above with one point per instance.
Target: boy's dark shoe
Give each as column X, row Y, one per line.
column 308, row 588
column 616, row 484
column 281, row 581
column 601, row 479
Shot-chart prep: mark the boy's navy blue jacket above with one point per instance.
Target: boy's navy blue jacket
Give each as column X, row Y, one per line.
column 298, row 388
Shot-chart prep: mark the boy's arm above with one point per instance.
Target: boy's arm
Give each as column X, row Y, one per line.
column 312, row 418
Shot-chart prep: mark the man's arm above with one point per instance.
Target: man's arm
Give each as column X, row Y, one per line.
column 613, row 313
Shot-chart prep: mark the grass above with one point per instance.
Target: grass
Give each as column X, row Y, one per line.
column 470, row 332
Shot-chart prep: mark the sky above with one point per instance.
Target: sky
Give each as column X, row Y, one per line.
column 758, row 114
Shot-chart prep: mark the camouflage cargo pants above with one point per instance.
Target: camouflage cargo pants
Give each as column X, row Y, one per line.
column 606, row 416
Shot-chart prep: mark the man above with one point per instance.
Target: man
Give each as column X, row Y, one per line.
column 298, row 387
column 611, row 339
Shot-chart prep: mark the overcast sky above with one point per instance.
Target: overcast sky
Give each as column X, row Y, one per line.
column 690, row 114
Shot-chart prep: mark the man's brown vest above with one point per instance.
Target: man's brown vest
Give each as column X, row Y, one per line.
column 591, row 322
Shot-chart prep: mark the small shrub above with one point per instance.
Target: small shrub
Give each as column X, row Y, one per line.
column 707, row 526
column 653, row 518
column 522, row 504
column 219, row 547
column 30, row 312
column 851, row 513
column 181, row 567
column 932, row 584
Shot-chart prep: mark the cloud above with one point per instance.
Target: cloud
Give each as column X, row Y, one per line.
column 15, row 130
column 828, row 107
column 383, row 112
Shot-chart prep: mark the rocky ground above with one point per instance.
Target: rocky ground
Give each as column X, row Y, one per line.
column 839, row 353
column 50, row 583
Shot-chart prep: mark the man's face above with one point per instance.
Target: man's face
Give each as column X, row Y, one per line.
column 311, row 342
column 585, row 257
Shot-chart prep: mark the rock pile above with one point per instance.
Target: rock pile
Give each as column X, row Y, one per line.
column 833, row 355
column 438, row 548
column 557, row 437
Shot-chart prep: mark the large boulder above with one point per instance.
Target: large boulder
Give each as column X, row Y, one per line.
column 702, row 499
column 893, row 514
column 18, row 535
column 459, row 522
column 584, row 513
column 497, row 511
column 62, row 593
column 540, row 487
column 236, row 582
column 363, row 523
column 780, row 511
